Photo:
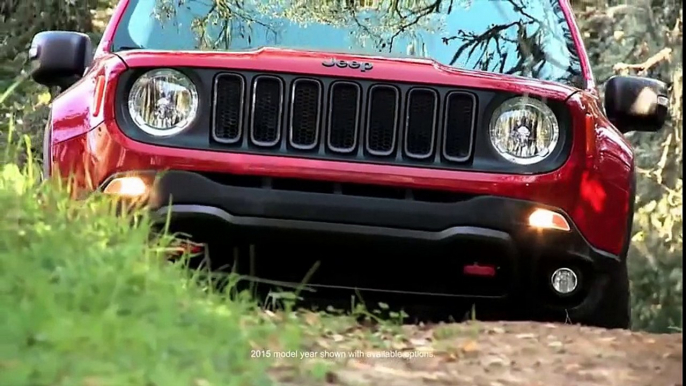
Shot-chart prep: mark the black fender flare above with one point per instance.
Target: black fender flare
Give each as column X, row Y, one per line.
column 47, row 149
column 630, row 215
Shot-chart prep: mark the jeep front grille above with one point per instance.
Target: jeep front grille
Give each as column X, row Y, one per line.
column 359, row 120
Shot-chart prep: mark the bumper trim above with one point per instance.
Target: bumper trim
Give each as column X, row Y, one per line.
column 462, row 232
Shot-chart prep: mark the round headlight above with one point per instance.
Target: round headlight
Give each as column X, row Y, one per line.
column 524, row 130
column 163, row 102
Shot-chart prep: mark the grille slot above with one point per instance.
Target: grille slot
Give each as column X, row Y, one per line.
column 382, row 120
column 420, row 124
column 267, row 109
column 229, row 96
column 457, row 141
column 344, row 117
column 305, row 116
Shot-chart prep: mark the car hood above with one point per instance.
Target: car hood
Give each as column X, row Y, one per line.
column 389, row 69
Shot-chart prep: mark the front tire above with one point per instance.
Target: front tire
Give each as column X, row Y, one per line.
column 614, row 308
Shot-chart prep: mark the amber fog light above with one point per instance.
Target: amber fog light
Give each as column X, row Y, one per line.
column 547, row 219
column 130, row 187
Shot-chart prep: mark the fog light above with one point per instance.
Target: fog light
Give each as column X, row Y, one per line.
column 564, row 280
column 127, row 187
column 543, row 218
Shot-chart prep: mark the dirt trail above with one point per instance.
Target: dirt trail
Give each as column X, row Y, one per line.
column 507, row 354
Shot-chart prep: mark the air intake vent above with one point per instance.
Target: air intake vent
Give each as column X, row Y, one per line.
column 457, row 143
column 382, row 122
column 305, row 116
column 229, row 94
column 422, row 107
column 267, row 109
column 344, row 118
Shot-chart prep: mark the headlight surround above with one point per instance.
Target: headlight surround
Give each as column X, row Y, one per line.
column 524, row 130
column 163, row 102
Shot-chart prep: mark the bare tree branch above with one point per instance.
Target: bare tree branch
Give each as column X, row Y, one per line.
column 664, row 55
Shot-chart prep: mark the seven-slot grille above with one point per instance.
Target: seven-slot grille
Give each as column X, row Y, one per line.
column 358, row 119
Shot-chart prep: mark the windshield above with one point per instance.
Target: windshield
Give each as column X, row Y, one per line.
column 528, row 38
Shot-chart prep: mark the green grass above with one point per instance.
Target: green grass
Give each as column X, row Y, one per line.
column 87, row 299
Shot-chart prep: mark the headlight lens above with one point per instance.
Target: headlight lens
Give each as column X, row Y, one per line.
column 524, row 130
column 163, row 102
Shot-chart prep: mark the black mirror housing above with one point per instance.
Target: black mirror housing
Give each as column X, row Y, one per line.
column 635, row 103
column 60, row 58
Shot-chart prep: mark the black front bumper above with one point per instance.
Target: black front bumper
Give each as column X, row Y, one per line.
column 270, row 208
column 483, row 229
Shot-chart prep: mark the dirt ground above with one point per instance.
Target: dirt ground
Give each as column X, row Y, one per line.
column 501, row 354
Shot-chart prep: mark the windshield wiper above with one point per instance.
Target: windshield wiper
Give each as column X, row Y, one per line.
column 128, row 48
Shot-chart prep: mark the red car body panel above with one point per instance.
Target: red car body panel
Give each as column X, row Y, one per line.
column 592, row 187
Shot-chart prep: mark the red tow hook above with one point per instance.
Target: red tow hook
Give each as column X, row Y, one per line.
column 195, row 249
column 479, row 270
column 188, row 247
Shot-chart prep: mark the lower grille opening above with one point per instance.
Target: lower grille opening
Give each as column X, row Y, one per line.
column 374, row 191
column 344, row 188
column 235, row 180
column 297, row 185
column 440, row 196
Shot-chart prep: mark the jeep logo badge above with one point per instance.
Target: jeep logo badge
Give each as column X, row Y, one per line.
column 363, row 67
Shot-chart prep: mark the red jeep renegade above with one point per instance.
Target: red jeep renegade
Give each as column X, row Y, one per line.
column 438, row 149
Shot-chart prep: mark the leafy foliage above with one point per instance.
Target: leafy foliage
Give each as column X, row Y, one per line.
column 19, row 22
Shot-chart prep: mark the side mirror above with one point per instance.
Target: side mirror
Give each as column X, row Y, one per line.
column 635, row 103
column 60, row 57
